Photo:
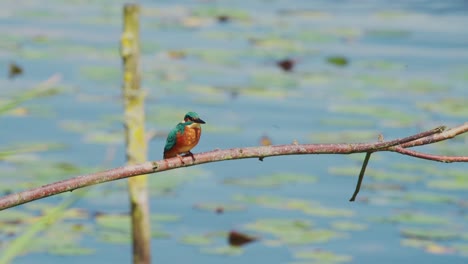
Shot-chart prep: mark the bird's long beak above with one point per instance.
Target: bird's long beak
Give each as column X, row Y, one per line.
column 198, row 120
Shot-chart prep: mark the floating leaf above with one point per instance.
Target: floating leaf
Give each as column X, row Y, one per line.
column 416, row 218
column 382, row 65
column 269, row 80
column 347, row 122
column 293, row 232
column 277, row 43
column 166, row 218
column 348, row 226
column 197, row 240
column 238, row 239
column 429, row 234
column 461, row 248
column 219, row 208
column 338, row 61
column 71, row 250
column 226, row 250
column 14, row 70
column 388, row 33
column 320, row 256
column 104, row 137
column 459, row 183
column 28, row 148
column 110, row 236
column 375, row 174
column 216, row 12
column 447, row 106
column 305, row 206
column 101, row 73
column 167, row 182
column 392, row 116
column 429, row 197
column 286, row 65
column 274, row 180
column 344, row 136
column 113, row 221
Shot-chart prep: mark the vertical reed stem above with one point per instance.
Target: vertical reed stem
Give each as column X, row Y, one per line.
column 134, row 122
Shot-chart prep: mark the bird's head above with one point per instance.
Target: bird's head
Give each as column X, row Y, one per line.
column 192, row 116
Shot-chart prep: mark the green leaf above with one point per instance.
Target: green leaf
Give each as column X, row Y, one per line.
column 321, row 256
column 223, row 250
column 416, row 218
column 293, row 231
column 348, row 226
column 429, row 234
column 339, row 61
column 197, row 240
column 274, row 180
column 305, row 206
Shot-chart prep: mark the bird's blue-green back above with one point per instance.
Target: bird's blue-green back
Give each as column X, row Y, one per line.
column 172, row 137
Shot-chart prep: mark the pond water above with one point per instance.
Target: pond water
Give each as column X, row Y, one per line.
column 359, row 69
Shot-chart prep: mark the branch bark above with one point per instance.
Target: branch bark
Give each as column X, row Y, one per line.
column 424, row 138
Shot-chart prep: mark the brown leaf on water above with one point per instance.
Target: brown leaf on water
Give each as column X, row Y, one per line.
column 223, row 18
column 176, row 54
column 14, row 70
column 238, row 239
column 286, row 65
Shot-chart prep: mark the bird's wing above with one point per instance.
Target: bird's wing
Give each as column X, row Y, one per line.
column 172, row 137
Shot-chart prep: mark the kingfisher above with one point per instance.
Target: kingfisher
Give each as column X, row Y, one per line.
column 184, row 136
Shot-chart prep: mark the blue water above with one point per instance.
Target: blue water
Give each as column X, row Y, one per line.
column 419, row 41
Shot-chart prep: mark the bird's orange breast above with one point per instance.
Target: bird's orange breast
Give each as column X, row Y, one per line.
column 188, row 140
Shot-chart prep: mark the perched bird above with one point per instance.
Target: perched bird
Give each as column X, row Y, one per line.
column 184, row 136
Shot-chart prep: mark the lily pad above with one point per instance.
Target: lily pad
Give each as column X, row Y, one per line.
column 460, row 183
column 105, row 137
column 349, row 136
column 219, row 207
column 293, row 231
column 427, row 197
column 321, row 256
column 388, row 33
column 167, row 182
column 348, row 226
column 71, row 250
column 305, row 206
column 456, row 107
column 32, row 147
column 223, row 250
column 347, row 122
column 113, row 237
column 197, row 240
column 339, row 61
column 429, row 234
column 274, row 180
column 416, row 218
column 101, row 73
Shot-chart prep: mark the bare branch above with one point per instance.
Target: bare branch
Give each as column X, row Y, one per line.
column 427, row 137
column 445, row 159
column 447, row 134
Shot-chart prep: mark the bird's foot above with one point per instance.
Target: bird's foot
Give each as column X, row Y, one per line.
column 189, row 154
column 181, row 159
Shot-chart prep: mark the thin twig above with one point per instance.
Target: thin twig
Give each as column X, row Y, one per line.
column 445, row 159
column 447, row 134
column 361, row 176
